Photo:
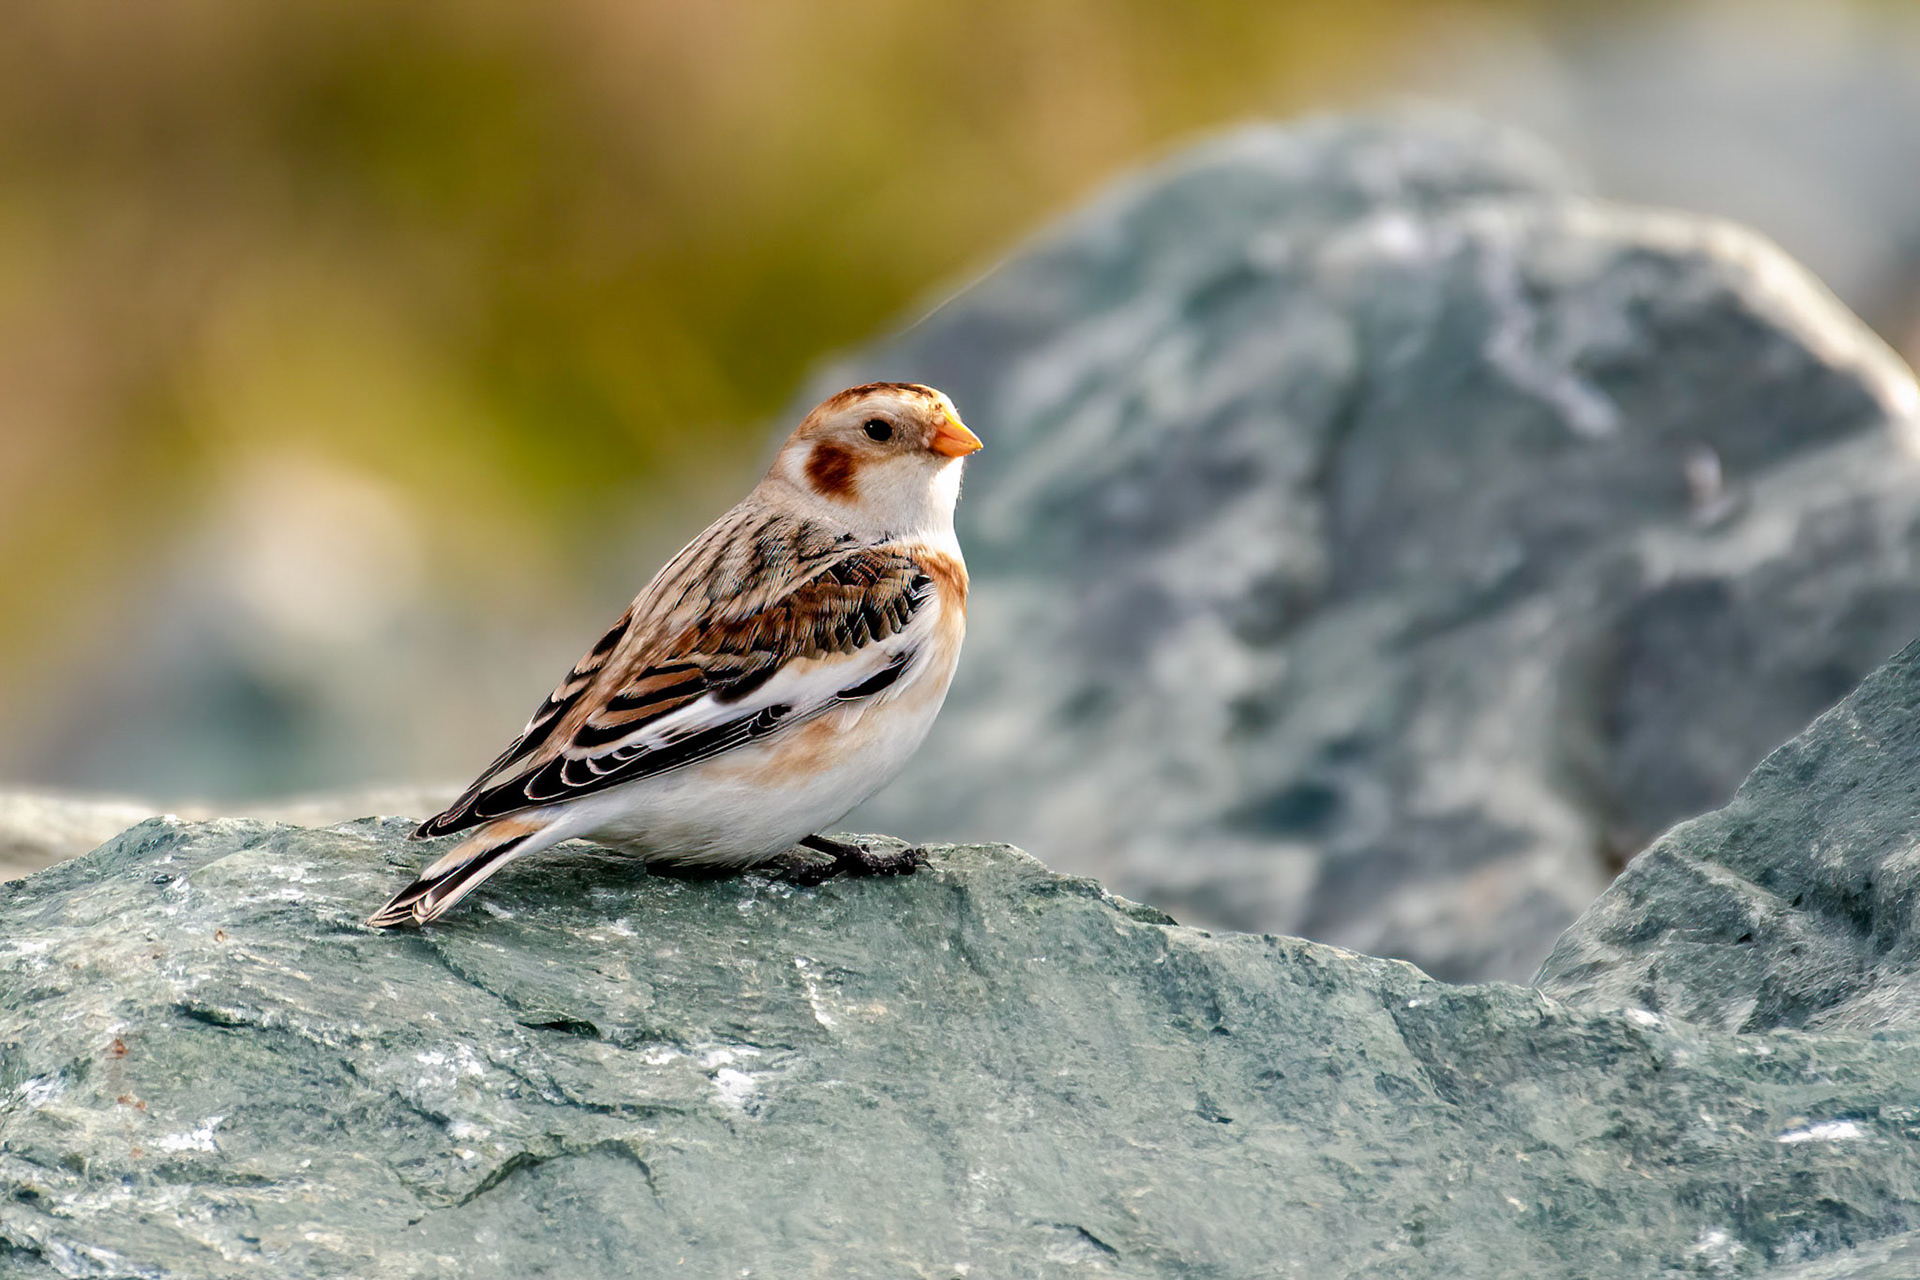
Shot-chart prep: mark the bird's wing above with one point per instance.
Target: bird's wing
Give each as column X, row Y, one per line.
column 647, row 699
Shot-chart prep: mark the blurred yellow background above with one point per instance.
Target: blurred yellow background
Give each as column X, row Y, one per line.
column 357, row 359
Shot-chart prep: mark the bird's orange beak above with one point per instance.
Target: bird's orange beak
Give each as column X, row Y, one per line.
column 951, row 438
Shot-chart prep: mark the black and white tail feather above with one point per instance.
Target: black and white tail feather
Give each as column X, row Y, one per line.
column 457, row 873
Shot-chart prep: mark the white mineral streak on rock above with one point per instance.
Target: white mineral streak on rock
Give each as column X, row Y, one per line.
column 1825, row 1131
column 1515, row 347
column 732, row 1088
column 812, row 985
column 40, row 1090
column 197, row 1139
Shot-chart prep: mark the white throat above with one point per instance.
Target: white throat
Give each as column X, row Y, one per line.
column 907, row 498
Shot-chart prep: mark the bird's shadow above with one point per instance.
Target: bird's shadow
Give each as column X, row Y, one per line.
column 582, row 862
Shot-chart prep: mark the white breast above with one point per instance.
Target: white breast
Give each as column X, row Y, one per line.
column 752, row 803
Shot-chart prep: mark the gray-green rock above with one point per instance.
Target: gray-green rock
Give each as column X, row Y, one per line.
column 1380, row 540
column 1794, row 906
column 211, row 1069
column 39, row 828
column 1372, row 534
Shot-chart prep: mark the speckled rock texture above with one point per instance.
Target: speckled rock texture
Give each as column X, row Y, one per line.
column 210, row 1068
column 1374, row 539
column 1795, row 905
column 39, row 828
column 1380, row 540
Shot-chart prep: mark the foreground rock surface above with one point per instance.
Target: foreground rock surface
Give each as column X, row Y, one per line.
column 40, row 828
column 1794, row 906
column 210, row 1068
column 1380, row 540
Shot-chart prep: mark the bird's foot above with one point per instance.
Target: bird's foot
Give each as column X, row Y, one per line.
column 852, row 860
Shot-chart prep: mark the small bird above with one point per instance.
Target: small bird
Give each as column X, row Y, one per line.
column 778, row 671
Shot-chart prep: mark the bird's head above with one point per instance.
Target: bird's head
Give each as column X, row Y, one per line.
column 885, row 456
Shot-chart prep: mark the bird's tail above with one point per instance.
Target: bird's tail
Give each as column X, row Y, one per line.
column 465, row 867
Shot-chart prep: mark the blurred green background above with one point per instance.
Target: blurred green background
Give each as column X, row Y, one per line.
column 358, row 359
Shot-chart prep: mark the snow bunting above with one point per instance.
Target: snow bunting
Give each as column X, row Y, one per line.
column 776, row 673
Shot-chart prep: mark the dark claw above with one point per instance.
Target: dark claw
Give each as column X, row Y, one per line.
column 903, row 863
column 852, row 860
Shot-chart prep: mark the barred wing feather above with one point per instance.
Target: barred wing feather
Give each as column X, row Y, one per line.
column 653, row 696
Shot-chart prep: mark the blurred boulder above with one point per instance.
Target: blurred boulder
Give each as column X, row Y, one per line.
column 1380, row 540
column 1795, row 116
column 210, row 1068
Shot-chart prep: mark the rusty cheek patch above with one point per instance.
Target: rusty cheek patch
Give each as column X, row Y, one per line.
column 830, row 470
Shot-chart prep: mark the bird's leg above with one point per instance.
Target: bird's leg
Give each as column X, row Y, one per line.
column 853, row 860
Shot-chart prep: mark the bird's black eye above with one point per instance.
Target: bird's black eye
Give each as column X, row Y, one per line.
column 879, row 429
